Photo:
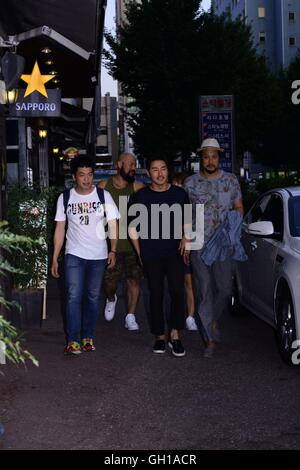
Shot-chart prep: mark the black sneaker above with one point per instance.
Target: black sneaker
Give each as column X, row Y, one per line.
column 159, row 346
column 177, row 347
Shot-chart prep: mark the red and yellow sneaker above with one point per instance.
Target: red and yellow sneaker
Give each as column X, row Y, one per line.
column 88, row 345
column 73, row 348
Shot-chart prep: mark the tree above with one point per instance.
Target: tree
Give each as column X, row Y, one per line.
column 167, row 54
column 229, row 64
column 152, row 57
column 287, row 142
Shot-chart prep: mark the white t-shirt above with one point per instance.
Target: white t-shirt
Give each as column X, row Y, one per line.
column 85, row 236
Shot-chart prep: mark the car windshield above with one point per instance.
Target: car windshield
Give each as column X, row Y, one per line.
column 294, row 216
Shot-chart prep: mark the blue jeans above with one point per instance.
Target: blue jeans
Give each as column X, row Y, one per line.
column 83, row 280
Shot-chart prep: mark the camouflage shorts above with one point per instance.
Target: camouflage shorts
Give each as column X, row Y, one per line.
column 126, row 267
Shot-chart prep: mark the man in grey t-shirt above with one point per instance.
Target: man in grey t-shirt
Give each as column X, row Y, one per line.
column 220, row 193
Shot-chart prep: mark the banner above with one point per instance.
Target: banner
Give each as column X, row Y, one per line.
column 217, row 122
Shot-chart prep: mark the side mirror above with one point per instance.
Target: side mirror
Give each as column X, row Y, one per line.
column 260, row 229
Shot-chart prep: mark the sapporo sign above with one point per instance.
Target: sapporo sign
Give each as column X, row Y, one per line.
column 35, row 100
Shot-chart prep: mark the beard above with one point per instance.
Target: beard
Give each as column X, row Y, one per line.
column 211, row 171
column 127, row 176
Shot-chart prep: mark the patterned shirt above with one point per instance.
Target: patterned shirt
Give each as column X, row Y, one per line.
column 217, row 195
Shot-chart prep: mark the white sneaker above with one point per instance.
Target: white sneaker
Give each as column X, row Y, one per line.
column 130, row 322
column 191, row 324
column 110, row 308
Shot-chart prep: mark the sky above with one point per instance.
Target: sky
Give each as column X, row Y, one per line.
column 108, row 84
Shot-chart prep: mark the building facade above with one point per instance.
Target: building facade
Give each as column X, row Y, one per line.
column 107, row 142
column 71, row 55
column 275, row 26
column 125, row 141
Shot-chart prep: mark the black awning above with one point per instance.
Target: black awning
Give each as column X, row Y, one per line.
column 70, row 128
column 72, row 113
column 79, row 21
column 75, row 19
column 74, row 74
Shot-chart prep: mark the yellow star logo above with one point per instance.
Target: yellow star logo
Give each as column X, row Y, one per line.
column 36, row 81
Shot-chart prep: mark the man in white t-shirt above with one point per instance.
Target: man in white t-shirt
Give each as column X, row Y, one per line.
column 86, row 253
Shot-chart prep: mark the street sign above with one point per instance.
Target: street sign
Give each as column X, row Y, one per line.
column 36, row 105
column 36, row 101
column 216, row 113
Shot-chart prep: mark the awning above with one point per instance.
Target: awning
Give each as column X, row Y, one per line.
column 72, row 30
column 73, row 26
column 78, row 20
column 70, row 128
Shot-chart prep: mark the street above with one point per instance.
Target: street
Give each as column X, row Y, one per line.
column 125, row 397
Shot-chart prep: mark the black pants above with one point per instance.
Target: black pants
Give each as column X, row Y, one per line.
column 156, row 270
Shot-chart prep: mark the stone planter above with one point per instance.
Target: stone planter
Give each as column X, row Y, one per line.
column 31, row 302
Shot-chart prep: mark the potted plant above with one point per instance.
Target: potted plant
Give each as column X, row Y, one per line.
column 30, row 214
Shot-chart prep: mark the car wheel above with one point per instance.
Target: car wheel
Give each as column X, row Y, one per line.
column 286, row 327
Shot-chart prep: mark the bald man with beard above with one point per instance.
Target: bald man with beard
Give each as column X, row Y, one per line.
column 127, row 266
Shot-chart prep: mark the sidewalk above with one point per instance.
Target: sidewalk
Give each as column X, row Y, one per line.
column 120, row 397
column 124, row 397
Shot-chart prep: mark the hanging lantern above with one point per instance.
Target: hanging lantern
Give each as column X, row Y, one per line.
column 10, row 96
column 42, row 133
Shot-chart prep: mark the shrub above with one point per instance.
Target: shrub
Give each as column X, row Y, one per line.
column 31, row 214
column 10, row 340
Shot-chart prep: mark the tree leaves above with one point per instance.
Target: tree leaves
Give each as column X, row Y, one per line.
column 10, row 340
column 167, row 54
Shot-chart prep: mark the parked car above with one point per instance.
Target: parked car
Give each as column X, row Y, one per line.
column 268, row 283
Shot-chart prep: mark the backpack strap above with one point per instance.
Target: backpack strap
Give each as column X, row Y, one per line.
column 100, row 193
column 66, row 197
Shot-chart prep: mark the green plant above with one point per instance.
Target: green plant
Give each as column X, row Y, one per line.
column 249, row 195
column 278, row 182
column 31, row 214
column 9, row 336
column 170, row 48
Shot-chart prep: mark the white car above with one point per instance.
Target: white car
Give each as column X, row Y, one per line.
column 268, row 283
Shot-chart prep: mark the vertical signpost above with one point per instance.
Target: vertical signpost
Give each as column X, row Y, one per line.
column 216, row 121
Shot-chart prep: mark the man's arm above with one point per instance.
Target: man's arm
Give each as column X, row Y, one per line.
column 113, row 233
column 236, row 195
column 59, row 237
column 132, row 232
column 184, row 249
column 133, row 235
column 238, row 206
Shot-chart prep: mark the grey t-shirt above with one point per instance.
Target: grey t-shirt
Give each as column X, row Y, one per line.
column 217, row 195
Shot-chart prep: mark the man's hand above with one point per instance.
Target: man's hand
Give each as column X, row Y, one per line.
column 183, row 251
column 186, row 257
column 111, row 259
column 238, row 206
column 182, row 245
column 54, row 269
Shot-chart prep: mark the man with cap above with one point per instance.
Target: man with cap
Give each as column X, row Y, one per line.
column 219, row 192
